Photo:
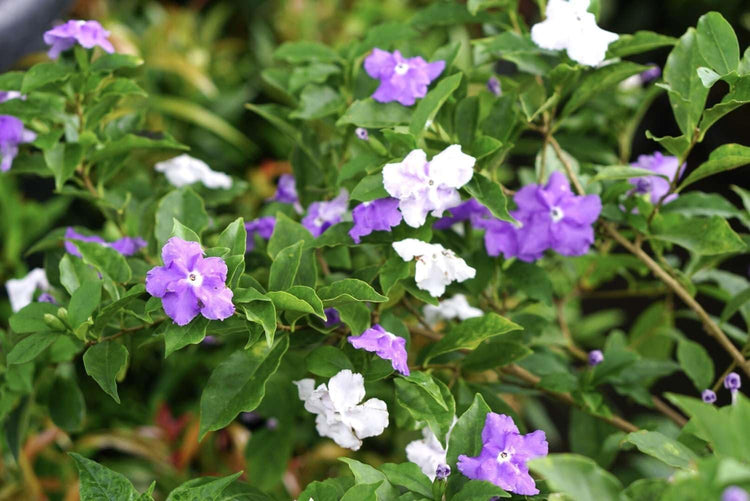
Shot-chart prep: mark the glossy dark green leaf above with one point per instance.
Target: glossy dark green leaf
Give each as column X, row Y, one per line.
column 369, row 113
column 103, row 361
column 408, row 475
column 725, row 157
column 349, row 290
column 638, row 42
column 696, row 363
column 179, row 336
column 425, row 408
column 597, row 81
column 479, row 489
column 470, row 333
column 489, row 194
column 66, row 405
column 264, row 313
column 234, row 237
column 30, row 318
column 705, row 236
column 687, row 95
column 717, row 43
column 284, row 267
column 84, row 302
column 327, row 361
column 98, row 483
column 663, row 448
column 30, row 347
column 428, row 107
column 366, row 474
column 578, row 477
column 466, row 437
column 105, row 259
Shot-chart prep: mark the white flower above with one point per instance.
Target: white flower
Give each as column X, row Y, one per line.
column 184, row 170
column 455, row 307
column 436, row 265
column 340, row 416
column 427, row 453
column 21, row 290
column 422, row 186
column 570, row 26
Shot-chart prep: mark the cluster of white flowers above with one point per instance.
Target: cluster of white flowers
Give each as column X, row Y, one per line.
column 21, row 290
column 184, row 170
column 448, row 309
column 436, row 266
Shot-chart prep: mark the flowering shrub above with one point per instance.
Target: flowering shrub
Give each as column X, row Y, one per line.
column 421, row 271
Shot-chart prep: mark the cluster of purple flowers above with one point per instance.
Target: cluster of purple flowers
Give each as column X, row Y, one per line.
column 127, row 246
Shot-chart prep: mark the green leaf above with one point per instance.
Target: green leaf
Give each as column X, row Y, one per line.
column 62, row 159
column 466, row 437
column 67, row 408
column 734, row 304
column 408, row 475
column 115, row 61
column 122, row 87
column 663, row 448
column 366, row 474
column 696, row 363
column 738, row 95
column 613, row 172
column 185, row 206
column 108, row 312
column 317, row 101
column 181, row 231
column 489, row 194
column 424, row 407
column 203, row 489
column 578, row 477
column 285, row 233
column 29, row 347
column 284, row 267
column 479, row 489
column 264, row 313
column 98, row 483
column 725, row 157
column 284, row 301
column 349, row 290
column 84, row 302
column 238, row 384
column 312, row 73
column 638, row 42
column 130, row 142
column 599, row 80
column 708, row 76
column 179, row 336
column 362, row 492
column 369, row 188
column 370, row 114
column 470, row 333
column 105, row 259
column 717, row 43
column 494, row 354
column 234, row 238
column 103, row 361
column 268, row 453
column 31, row 318
column 42, row 74
column 301, row 52
column 428, row 107
column 356, row 316
column 327, row 361
column 328, row 490
column 706, row 236
column 428, row 384
column 308, row 295
column 687, row 95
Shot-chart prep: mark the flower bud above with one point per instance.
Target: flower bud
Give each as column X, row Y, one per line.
column 595, row 357
column 708, row 396
column 442, row 471
column 53, row 322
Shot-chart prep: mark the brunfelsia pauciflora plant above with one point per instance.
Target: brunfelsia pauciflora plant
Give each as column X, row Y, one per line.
column 412, row 263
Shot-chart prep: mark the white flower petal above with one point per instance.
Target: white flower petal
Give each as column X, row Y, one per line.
column 414, row 210
column 409, row 248
column 454, row 307
column 436, row 266
column 184, row 170
column 305, row 388
column 21, row 290
column 401, row 179
column 338, row 432
column 426, row 453
column 347, row 389
column 368, row 419
column 451, row 167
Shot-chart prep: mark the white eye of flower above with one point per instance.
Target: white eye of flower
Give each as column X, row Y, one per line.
column 195, row 279
column 401, row 68
column 503, row 457
column 318, row 221
column 556, row 214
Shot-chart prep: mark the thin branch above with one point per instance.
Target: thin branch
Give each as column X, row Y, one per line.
column 568, row 168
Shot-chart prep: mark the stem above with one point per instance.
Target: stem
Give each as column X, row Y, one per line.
column 568, row 168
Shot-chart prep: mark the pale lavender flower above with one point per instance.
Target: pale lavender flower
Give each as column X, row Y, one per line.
column 504, row 454
column 127, row 246
column 401, row 79
column 263, row 227
column 656, row 186
column 442, row 472
column 385, row 345
column 378, row 215
column 362, row 133
column 735, row 493
column 7, row 95
column 12, row 133
column 470, row 210
column 423, row 187
column 190, row 284
column 493, row 85
column 322, row 215
column 332, row 317
column 88, row 34
column 708, row 396
column 595, row 357
column 732, row 382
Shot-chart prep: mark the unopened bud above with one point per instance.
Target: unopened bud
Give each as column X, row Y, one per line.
column 53, row 322
column 442, row 471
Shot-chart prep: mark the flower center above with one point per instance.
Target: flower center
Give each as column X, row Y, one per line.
column 556, row 214
column 503, row 457
column 318, row 221
column 431, row 182
column 401, row 68
column 195, row 279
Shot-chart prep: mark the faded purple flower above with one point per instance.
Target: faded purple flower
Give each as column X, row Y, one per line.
column 656, row 186
column 88, row 34
column 263, row 227
column 12, row 133
column 493, row 85
column 708, row 396
column 735, row 493
column 127, row 246
column 442, row 471
column 190, row 284
column 504, row 454
column 385, row 345
column 595, row 357
column 378, row 215
column 401, row 79
column 470, row 210
column 362, row 133
column 332, row 317
column 322, row 215
column 7, row 95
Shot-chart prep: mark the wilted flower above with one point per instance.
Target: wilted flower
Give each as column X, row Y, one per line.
column 378, row 215
column 88, row 34
column 426, row 453
column 422, row 186
column 401, row 79
column 570, row 26
column 448, row 309
column 595, row 357
column 735, row 493
column 656, row 186
column 493, row 85
column 340, row 416
column 504, row 454
column 127, row 246
column 322, row 215
column 708, row 396
column 190, row 284
column 263, row 227
column 21, row 290
column 12, row 133
column 362, row 133
column 7, row 95
column 184, row 170
column 436, row 265
column 385, row 345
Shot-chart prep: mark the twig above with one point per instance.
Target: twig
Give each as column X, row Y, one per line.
column 719, row 381
column 568, row 168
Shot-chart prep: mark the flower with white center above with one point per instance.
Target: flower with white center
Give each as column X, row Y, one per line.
column 21, row 290
column 455, row 307
column 569, row 25
column 426, row 453
column 421, row 186
column 340, row 415
column 184, row 170
column 436, row 265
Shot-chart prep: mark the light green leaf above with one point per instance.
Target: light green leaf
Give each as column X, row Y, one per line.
column 203, row 489
column 103, row 361
column 470, row 333
column 284, row 267
column 84, row 302
column 42, row 74
column 599, row 80
column 708, row 76
column 115, row 61
column 663, row 448
column 366, row 474
column 105, row 259
column 308, row 295
column 725, row 157
column 578, row 477
column 612, row 172
column 185, row 206
column 638, row 42
column 734, row 304
column 62, row 159
column 179, row 230
column 369, row 188
column 687, row 95
column 408, row 475
column 130, row 142
column 234, row 237
column 494, row 354
column 317, row 101
column 428, row 107
column 300, row 52
column 705, row 236
column 327, row 361
column 370, row 114
column 479, row 489
column 717, row 43
column 29, row 347
column 362, row 492
column 264, row 313
column 466, row 437
column 696, row 363
column 738, row 95
column 98, row 483
column 349, row 290
column 31, row 318
column 489, row 194
column 425, row 408
column 284, row 301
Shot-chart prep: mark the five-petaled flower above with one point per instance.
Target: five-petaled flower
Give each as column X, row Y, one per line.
column 12, row 133
column 401, row 79
column 189, row 284
column 657, row 186
column 322, row 215
column 183, row 170
column 436, row 266
column 385, row 345
column 422, row 186
column 504, row 454
column 570, row 26
column 88, row 34
column 377, row 215
column 339, row 413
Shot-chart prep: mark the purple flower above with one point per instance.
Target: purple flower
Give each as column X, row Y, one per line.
column 493, row 85
column 595, row 357
column 657, row 186
column 732, row 382
column 286, row 191
column 88, row 34
column 12, row 133
column 127, row 246
column 734, row 493
column 402, row 80
column 322, row 215
column 263, row 227
column 332, row 317
column 210, row 341
column 362, row 133
column 190, row 284
column 378, row 215
column 708, row 396
column 504, row 454
column 652, row 73
column 385, row 345
column 470, row 210
column 442, row 471
column 46, row 297
column 7, row 95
